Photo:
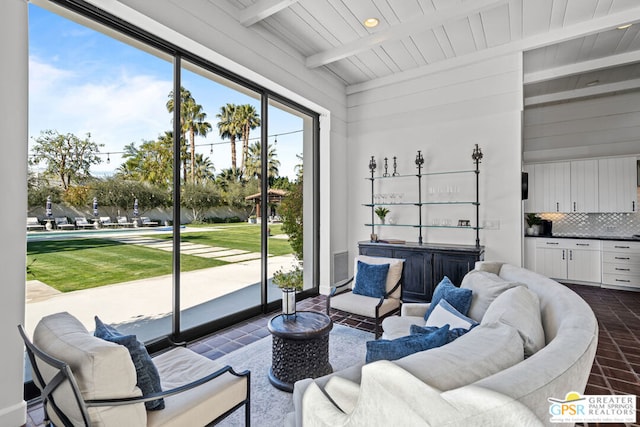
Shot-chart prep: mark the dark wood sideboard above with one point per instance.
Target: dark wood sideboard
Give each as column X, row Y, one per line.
column 426, row 264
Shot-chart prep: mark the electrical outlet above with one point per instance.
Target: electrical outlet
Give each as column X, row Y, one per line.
column 491, row 224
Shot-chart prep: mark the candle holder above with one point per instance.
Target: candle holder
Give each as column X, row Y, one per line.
column 419, row 160
column 372, row 165
column 477, row 154
column 386, row 167
column 395, row 167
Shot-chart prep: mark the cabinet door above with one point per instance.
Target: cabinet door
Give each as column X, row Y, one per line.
column 551, row 262
column 535, row 201
column 583, row 265
column 584, row 186
column 417, row 285
column 452, row 265
column 617, row 184
column 557, row 187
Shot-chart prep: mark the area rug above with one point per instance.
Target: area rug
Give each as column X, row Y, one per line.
column 270, row 405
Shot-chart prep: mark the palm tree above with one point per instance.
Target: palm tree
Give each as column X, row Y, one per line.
column 228, row 128
column 192, row 121
column 254, row 165
column 195, row 124
column 203, row 168
column 227, row 176
column 247, row 119
column 185, row 95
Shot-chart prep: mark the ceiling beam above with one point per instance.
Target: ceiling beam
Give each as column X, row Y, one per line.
column 582, row 92
column 582, row 67
column 262, row 10
column 396, row 32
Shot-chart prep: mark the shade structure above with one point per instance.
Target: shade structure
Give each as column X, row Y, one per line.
column 95, row 206
column 135, row 208
column 48, row 211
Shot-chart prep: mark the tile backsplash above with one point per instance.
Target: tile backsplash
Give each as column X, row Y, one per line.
column 594, row 224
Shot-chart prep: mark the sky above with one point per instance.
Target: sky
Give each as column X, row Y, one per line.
column 82, row 81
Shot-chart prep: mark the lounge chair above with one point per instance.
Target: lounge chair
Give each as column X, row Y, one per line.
column 146, row 222
column 86, row 381
column 63, row 223
column 34, row 224
column 124, row 222
column 105, row 221
column 82, row 222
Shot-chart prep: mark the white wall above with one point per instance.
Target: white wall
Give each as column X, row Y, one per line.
column 13, row 209
column 608, row 126
column 443, row 115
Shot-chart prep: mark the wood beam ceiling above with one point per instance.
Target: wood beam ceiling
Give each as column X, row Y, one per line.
column 399, row 31
column 262, row 10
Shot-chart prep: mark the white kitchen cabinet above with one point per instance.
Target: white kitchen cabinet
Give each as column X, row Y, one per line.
column 535, row 200
column 621, row 264
column 617, row 184
column 549, row 187
column 584, row 186
column 575, row 260
column 551, row 262
column 557, row 187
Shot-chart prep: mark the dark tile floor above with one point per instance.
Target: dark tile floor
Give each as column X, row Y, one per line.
column 616, row 369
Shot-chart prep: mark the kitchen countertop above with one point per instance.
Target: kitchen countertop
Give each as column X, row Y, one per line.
column 635, row 238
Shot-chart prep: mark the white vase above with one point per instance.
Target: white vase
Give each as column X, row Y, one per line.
column 288, row 302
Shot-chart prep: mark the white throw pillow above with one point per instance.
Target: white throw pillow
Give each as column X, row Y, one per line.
column 485, row 288
column 393, row 275
column 446, row 314
column 519, row 308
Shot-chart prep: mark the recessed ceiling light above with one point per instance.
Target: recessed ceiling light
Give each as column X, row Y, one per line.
column 593, row 83
column 625, row 26
column 371, row 22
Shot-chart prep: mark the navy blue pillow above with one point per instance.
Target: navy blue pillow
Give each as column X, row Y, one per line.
column 404, row 346
column 459, row 298
column 371, row 280
column 146, row 371
column 452, row 335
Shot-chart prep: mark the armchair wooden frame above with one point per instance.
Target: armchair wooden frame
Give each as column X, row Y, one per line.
column 343, row 287
column 65, row 374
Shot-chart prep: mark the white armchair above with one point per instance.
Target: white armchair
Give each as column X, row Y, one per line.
column 342, row 298
column 87, row 381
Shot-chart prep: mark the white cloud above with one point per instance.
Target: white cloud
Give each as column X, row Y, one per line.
column 116, row 110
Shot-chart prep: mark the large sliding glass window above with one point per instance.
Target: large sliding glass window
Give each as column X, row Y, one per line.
column 196, row 184
column 100, row 160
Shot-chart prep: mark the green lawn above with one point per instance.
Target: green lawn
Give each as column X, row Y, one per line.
column 83, row 263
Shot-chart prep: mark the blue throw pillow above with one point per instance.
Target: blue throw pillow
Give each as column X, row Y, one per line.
column 404, row 346
column 459, row 298
column 371, row 280
column 146, row 371
column 452, row 335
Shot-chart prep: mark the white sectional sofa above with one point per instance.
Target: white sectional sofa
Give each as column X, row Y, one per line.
column 534, row 342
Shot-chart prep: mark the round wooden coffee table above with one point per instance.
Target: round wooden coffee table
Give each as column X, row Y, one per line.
column 300, row 348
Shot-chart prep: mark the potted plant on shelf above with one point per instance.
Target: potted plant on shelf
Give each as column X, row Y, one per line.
column 382, row 212
column 534, row 222
column 289, row 281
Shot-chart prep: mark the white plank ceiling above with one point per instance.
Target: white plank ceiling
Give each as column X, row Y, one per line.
column 572, row 47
